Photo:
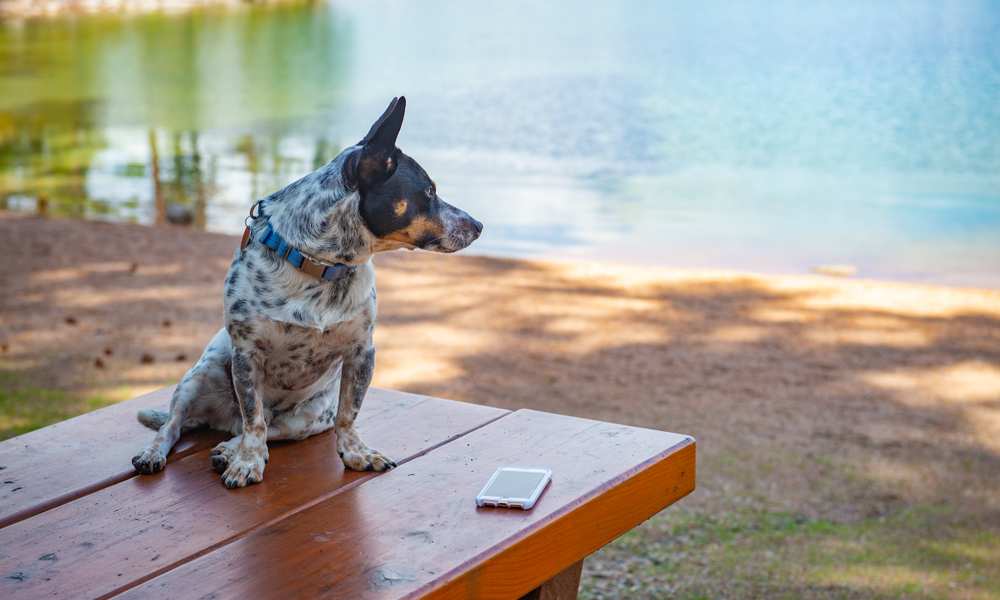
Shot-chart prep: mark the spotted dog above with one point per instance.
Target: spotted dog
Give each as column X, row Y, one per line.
column 296, row 354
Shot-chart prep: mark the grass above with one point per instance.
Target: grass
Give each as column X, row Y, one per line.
column 24, row 408
column 686, row 554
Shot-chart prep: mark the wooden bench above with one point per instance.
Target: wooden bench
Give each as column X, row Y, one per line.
column 76, row 522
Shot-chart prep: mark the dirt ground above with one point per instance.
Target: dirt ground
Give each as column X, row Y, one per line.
column 848, row 431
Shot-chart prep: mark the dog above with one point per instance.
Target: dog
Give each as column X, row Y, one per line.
column 296, row 355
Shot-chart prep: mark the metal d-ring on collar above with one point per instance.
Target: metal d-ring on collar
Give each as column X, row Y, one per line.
column 300, row 260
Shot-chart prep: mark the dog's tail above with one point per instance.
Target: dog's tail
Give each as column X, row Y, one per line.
column 152, row 418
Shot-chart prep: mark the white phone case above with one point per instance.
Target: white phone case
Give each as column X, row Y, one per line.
column 523, row 501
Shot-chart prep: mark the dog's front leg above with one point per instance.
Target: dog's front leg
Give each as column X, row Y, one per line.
column 245, row 463
column 359, row 364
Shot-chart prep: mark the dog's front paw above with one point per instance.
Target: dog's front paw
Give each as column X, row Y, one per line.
column 149, row 461
column 244, row 467
column 359, row 457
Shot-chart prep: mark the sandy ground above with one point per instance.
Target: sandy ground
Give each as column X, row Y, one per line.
column 849, row 431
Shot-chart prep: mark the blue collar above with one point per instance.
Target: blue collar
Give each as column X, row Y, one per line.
column 300, row 260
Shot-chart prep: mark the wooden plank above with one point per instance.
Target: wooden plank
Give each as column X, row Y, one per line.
column 128, row 532
column 53, row 465
column 416, row 530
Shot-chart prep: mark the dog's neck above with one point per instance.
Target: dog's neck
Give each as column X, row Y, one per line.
column 320, row 215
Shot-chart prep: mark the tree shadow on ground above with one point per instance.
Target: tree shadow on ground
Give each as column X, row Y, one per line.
column 826, row 402
column 827, row 413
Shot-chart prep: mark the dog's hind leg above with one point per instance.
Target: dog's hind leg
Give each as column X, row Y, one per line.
column 315, row 415
column 154, row 457
column 192, row 405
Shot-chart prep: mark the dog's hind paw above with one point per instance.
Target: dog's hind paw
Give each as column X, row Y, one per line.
column 149, row 461
column 223, row 453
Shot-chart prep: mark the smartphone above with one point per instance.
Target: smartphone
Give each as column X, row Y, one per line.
column 514, row 487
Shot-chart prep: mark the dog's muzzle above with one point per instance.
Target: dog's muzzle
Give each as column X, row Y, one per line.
column 460, row 230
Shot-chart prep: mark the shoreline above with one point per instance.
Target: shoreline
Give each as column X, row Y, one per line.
column 816, row 273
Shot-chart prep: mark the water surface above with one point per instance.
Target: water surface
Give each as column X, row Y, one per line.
column 771, row 137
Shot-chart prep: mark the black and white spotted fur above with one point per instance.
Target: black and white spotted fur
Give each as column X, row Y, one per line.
column 296, row 354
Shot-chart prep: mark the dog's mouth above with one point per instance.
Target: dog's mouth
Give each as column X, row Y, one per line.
column 458, row 239
column 445, row 245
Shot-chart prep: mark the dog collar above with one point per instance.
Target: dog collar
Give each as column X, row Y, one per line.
column 300, row 260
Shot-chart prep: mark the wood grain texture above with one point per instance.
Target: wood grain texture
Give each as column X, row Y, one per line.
column 416, row 531
column 125, row 533
column 55, row 464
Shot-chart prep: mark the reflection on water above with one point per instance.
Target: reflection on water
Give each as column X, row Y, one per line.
column 158, row 118
column 764, row 137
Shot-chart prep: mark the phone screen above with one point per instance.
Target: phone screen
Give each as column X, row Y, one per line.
column 514, row 484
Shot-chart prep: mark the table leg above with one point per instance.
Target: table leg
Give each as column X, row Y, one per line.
column 563, row 586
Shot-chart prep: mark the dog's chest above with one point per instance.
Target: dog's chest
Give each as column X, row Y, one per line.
column 294, row 358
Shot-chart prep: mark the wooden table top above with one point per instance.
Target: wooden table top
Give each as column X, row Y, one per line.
column 76, row 522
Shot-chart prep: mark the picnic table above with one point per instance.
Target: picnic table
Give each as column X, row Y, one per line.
column 77, row 522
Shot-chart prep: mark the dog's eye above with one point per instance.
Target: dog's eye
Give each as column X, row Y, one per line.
column 430, row 192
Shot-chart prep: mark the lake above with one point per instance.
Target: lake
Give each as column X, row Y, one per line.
column 772, row 136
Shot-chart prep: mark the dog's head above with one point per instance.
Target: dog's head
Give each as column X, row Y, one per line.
column 399, row 201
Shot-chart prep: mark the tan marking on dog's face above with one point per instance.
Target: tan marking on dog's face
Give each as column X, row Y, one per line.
column 420, row 228
column 399, row 207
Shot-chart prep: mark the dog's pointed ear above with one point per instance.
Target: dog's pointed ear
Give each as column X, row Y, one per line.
column 386, row 128
column 376, row 161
